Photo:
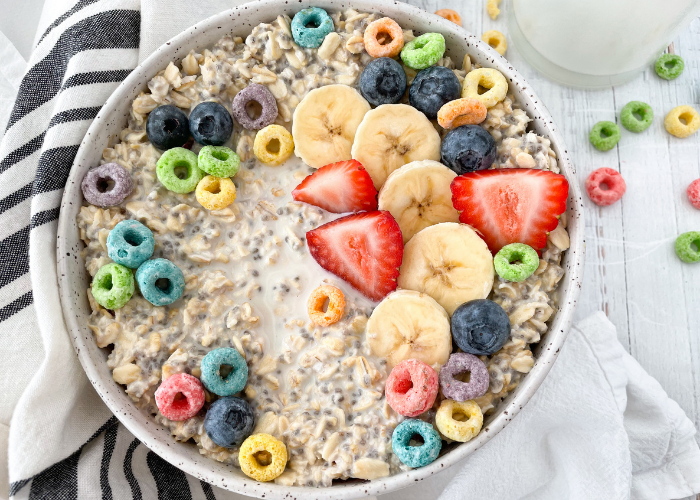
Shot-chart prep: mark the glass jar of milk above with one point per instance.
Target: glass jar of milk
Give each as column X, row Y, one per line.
column 596, row 43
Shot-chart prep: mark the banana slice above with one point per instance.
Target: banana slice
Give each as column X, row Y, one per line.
column 392, row 135
column 408, row 324
column 449, row 262
column 325, row 122
column 418, row 195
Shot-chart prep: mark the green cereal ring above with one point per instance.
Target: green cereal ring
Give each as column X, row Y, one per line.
column 688, row 247
column 218, row 161
column 669, row 66
column 516, row 262
column 177, row 170
column 423, row 51
column 636, row 116
column 113, row 286
column 604, row 136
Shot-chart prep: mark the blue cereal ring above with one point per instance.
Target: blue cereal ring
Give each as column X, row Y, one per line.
column 311, row 38
column 130, row 243
column 211, row 377
column 170, row 287
column 416, row 456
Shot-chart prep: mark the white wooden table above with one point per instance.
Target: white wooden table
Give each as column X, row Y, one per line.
column 632, row 272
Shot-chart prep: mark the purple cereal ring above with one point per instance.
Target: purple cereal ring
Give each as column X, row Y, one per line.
column 107, row 185
column 254, row 93
column 461, row 362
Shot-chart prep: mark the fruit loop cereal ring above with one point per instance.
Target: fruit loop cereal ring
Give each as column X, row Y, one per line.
column 218, row 161
column 310, row 27
column 180, row 397
column 268, row 107
column 177, row 170
column 612, row 180
column 229, row 421
column 423, row 51
column 160, row 281
column 675, row 119
column 416, row 456
column 336, row 305
column 496, row 40
column 516, row 262
column 411, row 387
column 461, row 362
column 636, row 116
column 465, row 111
column 669, row 66
column 215, row 193
column 273, row 145
column 450, row 15
column 130, row 243
column 489, row 78
column 383, row 38
column 492, row 8
column 604, row 135
column 694, row 193
column 234, row 381
column 262, row 457
column 459, row 430
column 684, row 247
column 107, row 185
column 113, row 286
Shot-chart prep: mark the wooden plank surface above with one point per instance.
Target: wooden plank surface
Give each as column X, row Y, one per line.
column 632, row 273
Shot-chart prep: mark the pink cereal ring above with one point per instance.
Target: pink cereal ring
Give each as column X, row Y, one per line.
column 694, row 193
column 411, row 387
column 180, row 397
column 383, row 38
column 611, row 180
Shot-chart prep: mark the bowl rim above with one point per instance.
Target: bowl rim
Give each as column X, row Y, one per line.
column 556, row 335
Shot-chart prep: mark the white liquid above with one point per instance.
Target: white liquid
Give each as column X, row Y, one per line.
column 597, row 39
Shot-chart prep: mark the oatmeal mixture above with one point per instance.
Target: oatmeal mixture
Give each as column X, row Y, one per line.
column 248, row 271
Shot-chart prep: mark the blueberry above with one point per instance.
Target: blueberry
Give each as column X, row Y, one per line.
column 383, row 81
column 211, row 124
column 468, row 148
column 167, row 127
column 480, row 327
column 432, row 88
column 229, row 421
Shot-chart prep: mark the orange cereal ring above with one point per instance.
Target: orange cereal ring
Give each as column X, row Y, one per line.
column 336, row 305
column 383, row 38
column 450, row 15
column 464, row 111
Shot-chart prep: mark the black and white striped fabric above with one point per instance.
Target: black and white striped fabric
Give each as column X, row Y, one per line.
column 79, row 60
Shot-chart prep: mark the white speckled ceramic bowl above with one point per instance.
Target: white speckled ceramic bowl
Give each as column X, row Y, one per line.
column 73, row 279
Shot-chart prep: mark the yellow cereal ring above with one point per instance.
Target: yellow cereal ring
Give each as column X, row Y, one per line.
column 491, row 79
column 465, row 111
column 497, row 40
column 336, row 305
column 273, row 145
column 262, row 457
column 675, row 126
column 460, row 430
column 215, row 193
column 492, row 8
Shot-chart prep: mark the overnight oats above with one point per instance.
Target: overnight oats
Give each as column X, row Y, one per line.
column 316, row 243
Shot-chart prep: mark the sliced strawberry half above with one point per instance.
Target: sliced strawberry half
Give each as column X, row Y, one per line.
column 340, row 187
column 363, row 249
column 514, row 205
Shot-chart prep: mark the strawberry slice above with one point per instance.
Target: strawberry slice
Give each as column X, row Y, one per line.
column 363, row 249
column 511, row 205
column 340, row 187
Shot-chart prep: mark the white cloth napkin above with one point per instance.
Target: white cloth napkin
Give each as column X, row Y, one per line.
column 599, row 427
